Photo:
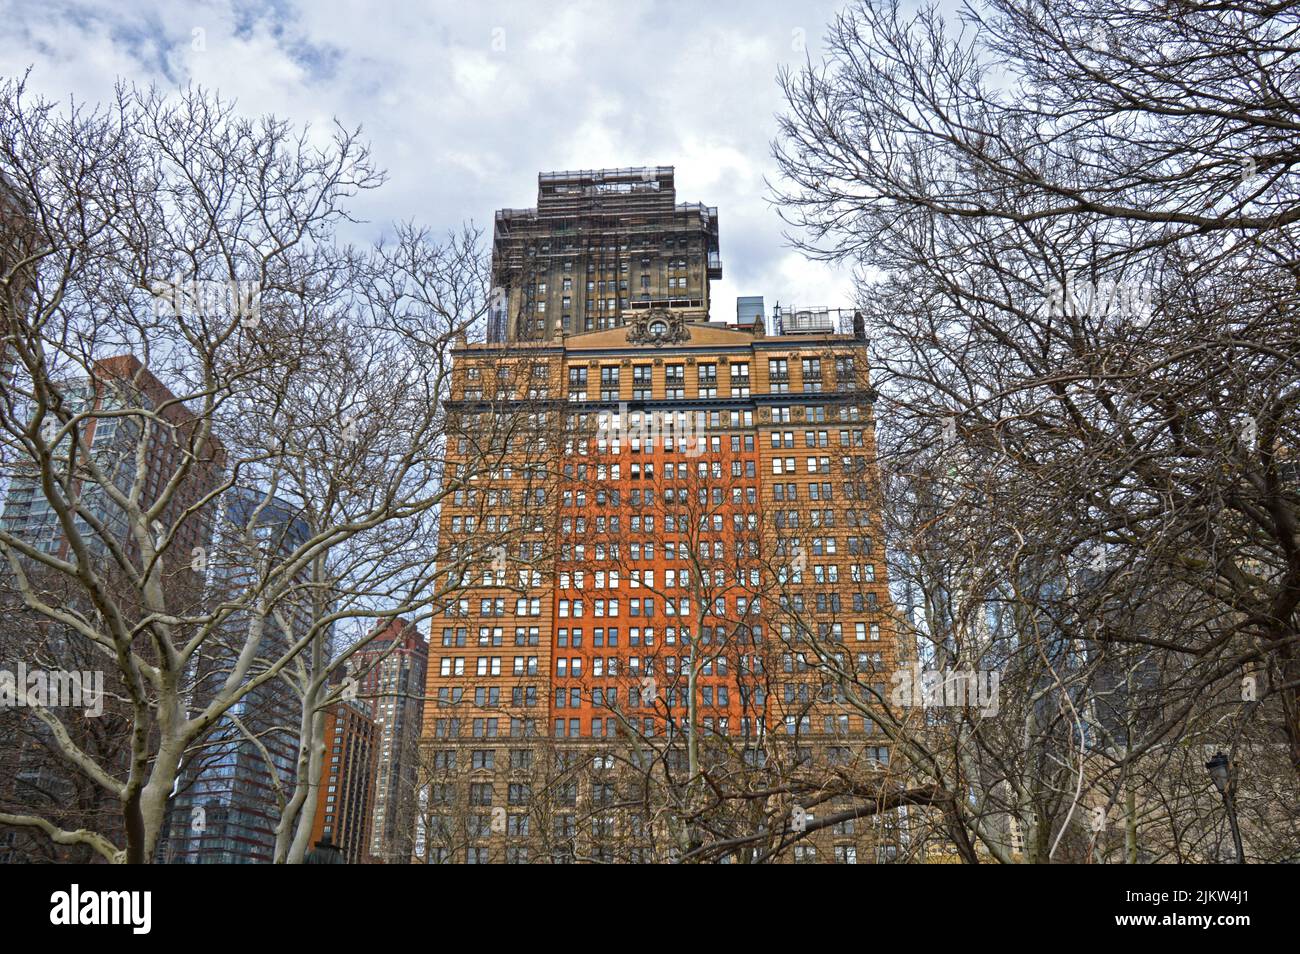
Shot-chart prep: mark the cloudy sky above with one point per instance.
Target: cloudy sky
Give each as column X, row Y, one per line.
column 465, row 102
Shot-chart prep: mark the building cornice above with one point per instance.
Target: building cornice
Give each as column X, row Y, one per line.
column 671, row 404
column 789, row 343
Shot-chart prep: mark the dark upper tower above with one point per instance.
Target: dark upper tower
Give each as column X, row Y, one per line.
column 601, row 246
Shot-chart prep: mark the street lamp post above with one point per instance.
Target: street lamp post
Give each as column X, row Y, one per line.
column 1224, row 776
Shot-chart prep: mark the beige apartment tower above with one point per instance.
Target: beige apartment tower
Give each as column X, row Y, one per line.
column 665, row 587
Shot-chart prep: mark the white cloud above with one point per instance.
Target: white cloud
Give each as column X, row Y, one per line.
column 466, row 103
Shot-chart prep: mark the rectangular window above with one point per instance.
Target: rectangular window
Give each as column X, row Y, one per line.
column 577, row 384
column 707, row 380
column 740, row 379
column 641, row 382
column 609, row 384
column 675, row 381
column 812, row 374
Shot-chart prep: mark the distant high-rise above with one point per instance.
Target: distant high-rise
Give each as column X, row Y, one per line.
column 750, row 312
column 602, row 247
column 141, row 451
column 346, row 794
column 391, row 670
column 227, row 809
column 115, row 384
column 18, row 240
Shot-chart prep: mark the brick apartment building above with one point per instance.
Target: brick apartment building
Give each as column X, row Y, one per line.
column 345, row 798
column 391, row 670
column 669, row 541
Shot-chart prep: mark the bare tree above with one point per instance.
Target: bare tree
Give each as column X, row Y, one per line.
column 1075, row 226
column 184, row 331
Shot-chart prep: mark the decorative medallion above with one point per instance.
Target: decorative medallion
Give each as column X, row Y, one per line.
column 658, row 328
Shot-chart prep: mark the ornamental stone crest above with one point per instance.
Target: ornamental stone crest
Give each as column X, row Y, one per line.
column 658, row 328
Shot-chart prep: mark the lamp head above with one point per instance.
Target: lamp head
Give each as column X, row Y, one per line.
column 1219, row 772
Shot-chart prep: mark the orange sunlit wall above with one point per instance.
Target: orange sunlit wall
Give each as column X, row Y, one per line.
column 627, row 633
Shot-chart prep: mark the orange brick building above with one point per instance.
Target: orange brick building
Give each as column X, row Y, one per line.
column 346, row 793
column 665, row 586
column 700, row 527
